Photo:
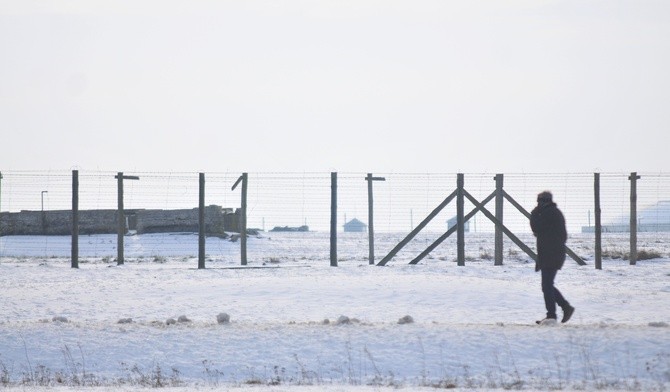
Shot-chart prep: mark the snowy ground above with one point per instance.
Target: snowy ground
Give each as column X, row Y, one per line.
column 473, row 326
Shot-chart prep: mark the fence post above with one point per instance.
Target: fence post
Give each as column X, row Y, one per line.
column 75, row 219
column 0, row 202
column 371, row 230
column 0, row 195
column 598, row 227
column 633, row 217
column 499, row 216
column 333, row 219
column 460, row 231
column 201, row 222
column 121, row 216
column 243, row 220
column 121, row 227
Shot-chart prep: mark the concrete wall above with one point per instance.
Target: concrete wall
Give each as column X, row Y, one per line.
column 218, row 220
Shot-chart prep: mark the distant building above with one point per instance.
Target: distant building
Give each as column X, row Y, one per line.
column 655, row 218
column 355, row 226
column 453, row 222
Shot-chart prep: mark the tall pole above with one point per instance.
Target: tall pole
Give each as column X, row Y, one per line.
column 598, row 227
column 121, row 218
column 0, row 202
column 633, row 217
column 499, row 216
column 371, row 227
column 243, row 216
column 333, row 219
column 75, row 219
column 243, row 219
column 201, row 222
column 460, row 232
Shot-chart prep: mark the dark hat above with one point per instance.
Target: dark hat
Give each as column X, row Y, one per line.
column 544, row 197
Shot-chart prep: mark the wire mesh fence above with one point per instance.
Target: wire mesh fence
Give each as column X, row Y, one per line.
column 289, row 200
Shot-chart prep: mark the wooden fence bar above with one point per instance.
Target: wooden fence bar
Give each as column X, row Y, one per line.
column 121, row 216
column 333, row 219
column 633, row 217
column 74, row 250
column 505, row 230
column 449, row 232
column 498, row 253
column 121, row 227
column 244, row 178
column 460, row 222
column 598, row 227
column 243, row 219
column 0, row 201
column 201, row 221
column 417, row 229
column 371, row 227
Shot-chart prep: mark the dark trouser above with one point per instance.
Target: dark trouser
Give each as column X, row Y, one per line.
column 551, row 294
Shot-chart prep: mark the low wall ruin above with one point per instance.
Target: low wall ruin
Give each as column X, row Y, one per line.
column 218, row 221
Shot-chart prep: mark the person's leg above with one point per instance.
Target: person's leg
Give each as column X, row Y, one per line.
column 549, row 291
column 568, row 310
column 558, row 297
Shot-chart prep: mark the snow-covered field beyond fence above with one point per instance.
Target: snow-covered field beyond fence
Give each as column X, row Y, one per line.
column 295, row 323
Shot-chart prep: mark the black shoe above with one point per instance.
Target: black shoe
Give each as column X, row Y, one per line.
column 546, row 321
column 567, row 313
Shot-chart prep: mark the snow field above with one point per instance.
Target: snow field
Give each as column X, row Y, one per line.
column 473, row 326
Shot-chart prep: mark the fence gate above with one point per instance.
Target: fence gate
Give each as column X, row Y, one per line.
column 460, row 194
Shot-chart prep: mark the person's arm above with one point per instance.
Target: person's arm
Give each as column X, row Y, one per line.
column 563, row 230
column 533, row 218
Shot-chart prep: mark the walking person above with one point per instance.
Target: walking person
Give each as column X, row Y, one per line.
column 548, row 225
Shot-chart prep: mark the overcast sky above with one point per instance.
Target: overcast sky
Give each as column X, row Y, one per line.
column 361, row 85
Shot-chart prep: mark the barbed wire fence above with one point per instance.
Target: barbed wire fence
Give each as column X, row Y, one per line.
column 401, row 202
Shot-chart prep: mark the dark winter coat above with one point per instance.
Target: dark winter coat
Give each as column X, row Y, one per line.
column 548, row 225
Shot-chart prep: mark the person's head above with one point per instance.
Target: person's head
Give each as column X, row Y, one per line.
column 544, row 197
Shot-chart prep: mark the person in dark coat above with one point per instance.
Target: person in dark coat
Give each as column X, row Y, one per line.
column 548, row 225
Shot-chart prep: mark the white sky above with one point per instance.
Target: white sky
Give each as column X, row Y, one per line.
column 360, row 85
